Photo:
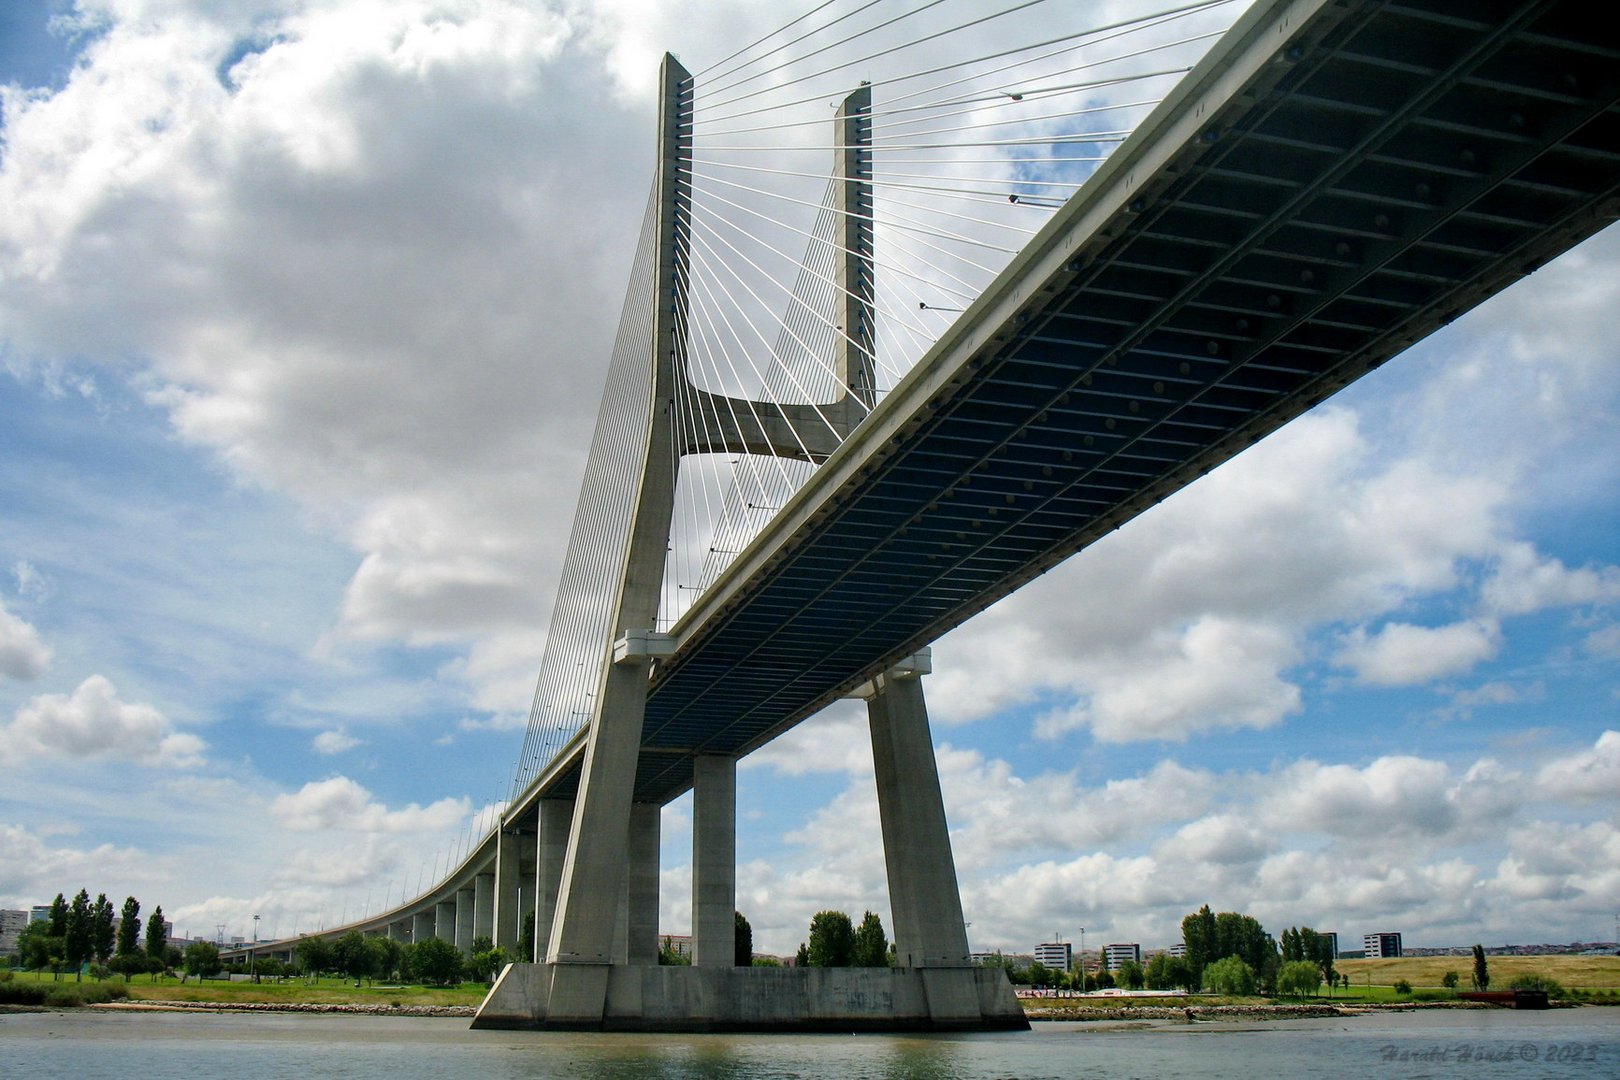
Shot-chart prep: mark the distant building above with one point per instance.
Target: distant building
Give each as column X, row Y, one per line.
column 679, row 944
column 11, row 927
column 1058, row 955
column 1178, row 949
column 1381, row 946
column 39, row 913
column 1115, row 955
column 1332, row 937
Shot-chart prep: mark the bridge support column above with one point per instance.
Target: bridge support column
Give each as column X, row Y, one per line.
column 714, row 860
column 400, row 931
column 444, row 920
column 508, row 885
column 484, row 906
column 923, row 895
column 551, row 851
column 641, row 885
column 464, row 920
column 422, row 925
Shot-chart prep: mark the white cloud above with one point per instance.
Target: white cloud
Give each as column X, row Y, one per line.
column 1401, row 654
column 1215, row 674
column 93, row 723
column 22, row 654
column 309, row 263
column 1391, row 796
column 1526, row 581
column 1604, row 642
column 1585, row 775
column 33, row 869
column 334, row 742
column 342, row 804
column 1192, row 617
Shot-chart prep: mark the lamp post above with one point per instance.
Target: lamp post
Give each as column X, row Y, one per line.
column 1083, row 986
column 253, row 957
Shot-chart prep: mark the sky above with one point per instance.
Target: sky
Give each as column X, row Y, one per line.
column 305, row 309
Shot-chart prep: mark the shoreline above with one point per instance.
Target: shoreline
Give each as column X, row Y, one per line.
column 1076, row 1014
column 466, row 1011
column 1217, row 1013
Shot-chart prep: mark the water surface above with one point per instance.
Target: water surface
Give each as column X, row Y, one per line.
column 89, row 1045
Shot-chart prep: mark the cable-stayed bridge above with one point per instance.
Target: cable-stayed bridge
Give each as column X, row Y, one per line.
column 1050, row 277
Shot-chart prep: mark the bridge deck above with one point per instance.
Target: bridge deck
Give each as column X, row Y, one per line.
column 1329, row 185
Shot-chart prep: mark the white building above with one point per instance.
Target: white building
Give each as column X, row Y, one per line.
column 1058, row 955
column 1381, row 945
column 11, row 927
column 1115, row 955
column 1178, row 949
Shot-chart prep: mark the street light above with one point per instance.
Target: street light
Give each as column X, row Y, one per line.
column 1082, row 959
column 253, row 957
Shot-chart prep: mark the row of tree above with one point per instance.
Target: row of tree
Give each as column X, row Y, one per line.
column 835, row 941
column 431, row 961
column 83, row 931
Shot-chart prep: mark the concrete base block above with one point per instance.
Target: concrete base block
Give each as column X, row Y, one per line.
column 753, row 999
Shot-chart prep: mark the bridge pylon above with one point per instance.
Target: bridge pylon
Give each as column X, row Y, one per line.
column 595, row 861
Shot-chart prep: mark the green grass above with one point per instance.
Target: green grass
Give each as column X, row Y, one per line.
column 325, row 991
column 1574, row 972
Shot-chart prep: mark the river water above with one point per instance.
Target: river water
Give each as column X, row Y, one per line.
column 91, row 1045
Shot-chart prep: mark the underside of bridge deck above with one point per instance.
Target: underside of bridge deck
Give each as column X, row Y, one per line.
column 1332, row 183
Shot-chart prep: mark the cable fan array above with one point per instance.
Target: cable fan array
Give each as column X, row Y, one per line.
column 981, row 124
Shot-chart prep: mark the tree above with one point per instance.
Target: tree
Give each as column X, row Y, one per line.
column 128, row 964
column 202, row 959
column 1198, row 935
column 1531, row 981
column 1243, row 936
column 79, row 944
column 58, row 917
column 157, row 943
column 1299, row 977
column 314, row 956
column 525, row 945
column 742, row 941
column 103, row 933
column 484, row 964
column 1130, row 975
column 802, row 957
column 1303, row 943
column 832, row 939
column 1450, row 980
column 1231, row 976
column 871, row 945
column 37, row 947
column 386, row 956
column 670, row 956
column 129, row 928
column 1482, row 973
column 435, row 961
column 1166, row 972
column 353, row 957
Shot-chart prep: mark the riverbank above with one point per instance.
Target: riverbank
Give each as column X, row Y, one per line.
column 285, row 1007
column 1082, row 1012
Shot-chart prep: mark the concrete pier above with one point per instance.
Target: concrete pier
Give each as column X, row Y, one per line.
column 639, row 998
